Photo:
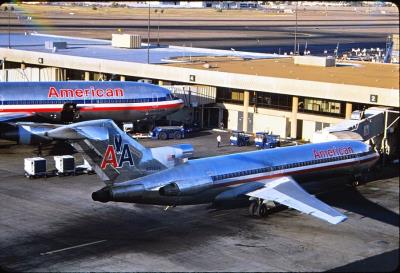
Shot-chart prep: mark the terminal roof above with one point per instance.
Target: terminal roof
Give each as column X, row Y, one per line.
column 353, row 73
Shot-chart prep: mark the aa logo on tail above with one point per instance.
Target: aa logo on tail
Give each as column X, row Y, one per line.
column 122, row 150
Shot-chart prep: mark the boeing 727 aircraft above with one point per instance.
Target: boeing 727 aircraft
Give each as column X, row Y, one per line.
column 73, row 101
column 160, row 176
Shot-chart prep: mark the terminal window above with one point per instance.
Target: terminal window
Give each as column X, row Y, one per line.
column 321, row 106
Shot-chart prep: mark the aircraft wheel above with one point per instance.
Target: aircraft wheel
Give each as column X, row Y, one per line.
column 253, row 208
column 262, row 210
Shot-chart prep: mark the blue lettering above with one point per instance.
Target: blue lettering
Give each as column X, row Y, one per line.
column 126, row 156
column 118, row 143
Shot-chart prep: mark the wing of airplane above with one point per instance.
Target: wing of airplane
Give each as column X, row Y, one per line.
column 286, row 191
column 7, row 116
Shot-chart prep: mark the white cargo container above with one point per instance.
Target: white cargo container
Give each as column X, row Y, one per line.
column 35, row 167
column 65, row 164
column 328, row 61
column 126, row 40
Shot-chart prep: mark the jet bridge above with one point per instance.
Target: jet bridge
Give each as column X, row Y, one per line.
column 379, row 126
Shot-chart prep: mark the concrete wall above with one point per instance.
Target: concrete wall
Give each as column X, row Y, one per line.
column 277, row 121
column 31, row 74
column 268, row 123
column 232, row 119
column 308, row 129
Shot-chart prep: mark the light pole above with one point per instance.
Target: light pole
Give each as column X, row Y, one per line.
column 295, row 33
column 158, row 27
column 9, row 15
column 148, row 37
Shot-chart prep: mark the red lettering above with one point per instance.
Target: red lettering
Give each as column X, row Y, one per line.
column 79, row 93
column 66, row 93
column 109, row 92
column 109, row 158
column 331, row 152
column 99, row 92
column 316, row 154
column 119, row 92
column 86, row 92
column 52, row 92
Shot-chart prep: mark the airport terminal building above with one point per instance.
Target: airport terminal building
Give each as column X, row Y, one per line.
column 285, row 95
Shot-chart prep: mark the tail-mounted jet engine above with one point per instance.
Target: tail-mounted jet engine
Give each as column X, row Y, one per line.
column 185, row 187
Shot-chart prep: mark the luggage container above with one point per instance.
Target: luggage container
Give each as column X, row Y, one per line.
column 35, row 167
column 65, row 164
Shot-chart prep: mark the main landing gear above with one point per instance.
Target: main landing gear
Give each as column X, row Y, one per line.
column 258, row 208
column 358, row 180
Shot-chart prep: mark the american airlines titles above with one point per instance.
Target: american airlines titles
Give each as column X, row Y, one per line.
column 119, row 148
column 88, row 92
column 332, row 152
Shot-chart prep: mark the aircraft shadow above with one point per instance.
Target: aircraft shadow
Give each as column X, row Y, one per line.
column 352, row 200
column 126, row 231
column 385, row 262
column 349, row 198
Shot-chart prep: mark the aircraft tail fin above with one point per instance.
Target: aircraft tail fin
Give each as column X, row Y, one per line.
column 113, row 154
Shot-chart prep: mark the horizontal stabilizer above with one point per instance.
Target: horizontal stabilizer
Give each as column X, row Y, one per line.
column 287, row 192
column 8, row 116
column 79, row 131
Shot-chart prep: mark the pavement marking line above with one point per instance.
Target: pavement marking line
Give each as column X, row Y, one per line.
column 72, row 247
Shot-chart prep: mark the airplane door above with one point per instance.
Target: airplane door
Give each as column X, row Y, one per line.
column 1, row 103
column 154, row 98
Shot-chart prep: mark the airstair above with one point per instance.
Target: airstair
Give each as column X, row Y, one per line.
column 378, row 126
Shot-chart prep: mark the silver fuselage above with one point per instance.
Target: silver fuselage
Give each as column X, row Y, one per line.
column 205, row 178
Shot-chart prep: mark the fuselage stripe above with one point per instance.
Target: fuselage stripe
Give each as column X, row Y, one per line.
column 303, row 170
column 94, row 108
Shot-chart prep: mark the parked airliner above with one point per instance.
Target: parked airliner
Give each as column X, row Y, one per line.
column 73, row 101
column 264, row 178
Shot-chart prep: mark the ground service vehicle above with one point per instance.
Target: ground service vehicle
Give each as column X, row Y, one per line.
column 266, row 141
column 239, row 138
column 166, row 132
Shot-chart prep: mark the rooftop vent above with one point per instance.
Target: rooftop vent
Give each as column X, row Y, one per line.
column 51, row 45
column 315, row 61
column 126, row 40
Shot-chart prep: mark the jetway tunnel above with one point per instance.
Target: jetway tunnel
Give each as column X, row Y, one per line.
column 378, row 126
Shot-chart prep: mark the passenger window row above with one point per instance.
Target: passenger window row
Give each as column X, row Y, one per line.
column 88, row 100
column 285, row 166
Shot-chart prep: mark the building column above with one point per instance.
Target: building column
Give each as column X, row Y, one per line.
column 122, row 78
column 160, row 82
column 23, row 66
column 349, row 108
column 245, row 110
column 293, row 120
column 87, row 76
